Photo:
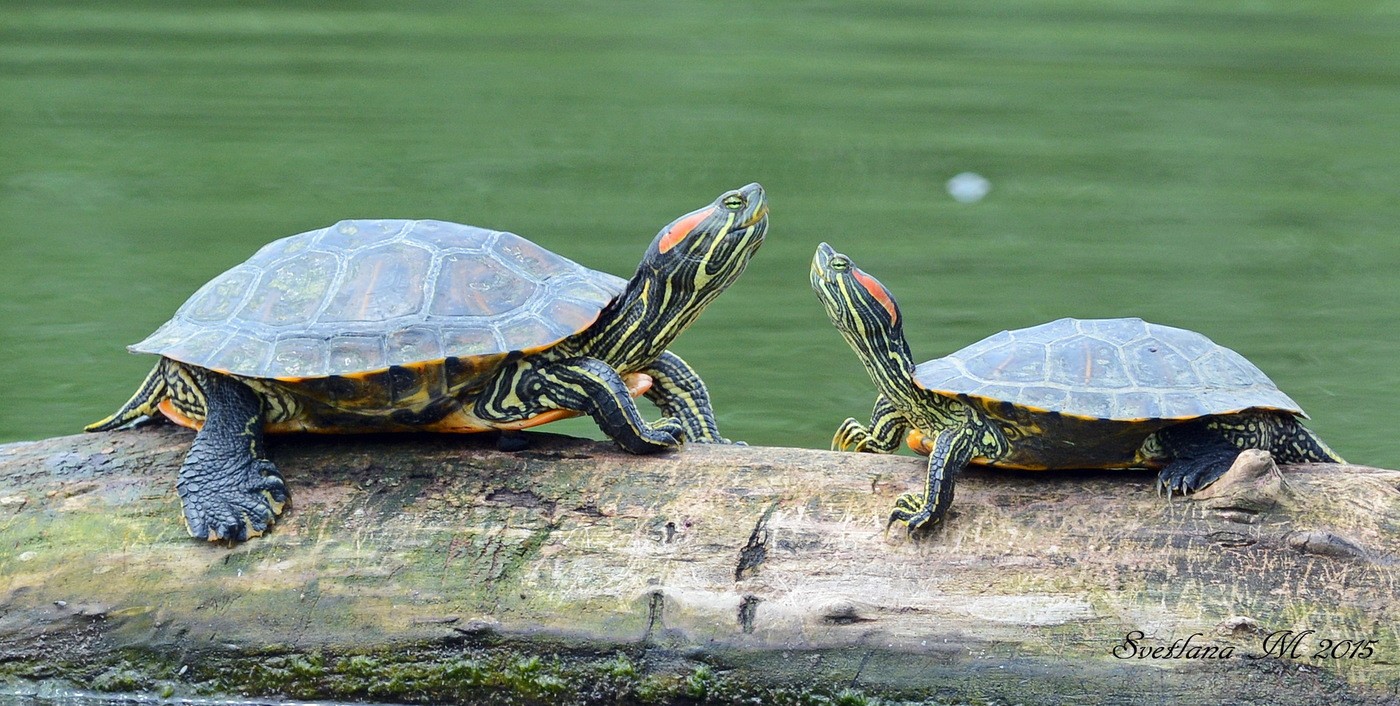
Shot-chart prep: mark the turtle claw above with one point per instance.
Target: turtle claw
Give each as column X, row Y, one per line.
column 234, row 504
column 1186, row 476
column 850, row 436
column 664, row 433
column 917, row 516
column 670, row 430
column 1164, row 484
column 1178, row 486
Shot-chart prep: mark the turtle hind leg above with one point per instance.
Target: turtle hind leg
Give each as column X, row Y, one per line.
column 228, row 490
column 1279, row 433
column 1191, row 473
column 1201, row 451
column 1196, row 454
column 142, row 405
column 1291, row 442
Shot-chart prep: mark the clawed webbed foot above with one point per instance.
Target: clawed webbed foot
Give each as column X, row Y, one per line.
column 1181, row 486
column 665, row 433
column 919, row 519
column 234, row 503
column 1187, row 478
column 850, row 436
column 669, row 431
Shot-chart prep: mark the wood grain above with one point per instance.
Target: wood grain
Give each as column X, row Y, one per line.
column 711, row 573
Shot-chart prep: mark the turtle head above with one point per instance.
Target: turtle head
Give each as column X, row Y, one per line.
column 865, row 313
column 689, row 263
column 856, row 302
column 705, row 250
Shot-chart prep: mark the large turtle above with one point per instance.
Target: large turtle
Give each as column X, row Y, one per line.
column 1107, row 393
column 388, row 325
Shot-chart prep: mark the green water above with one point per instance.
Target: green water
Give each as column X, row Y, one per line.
column 1233, row 171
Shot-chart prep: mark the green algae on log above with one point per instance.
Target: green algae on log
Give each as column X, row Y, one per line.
column 433, row 568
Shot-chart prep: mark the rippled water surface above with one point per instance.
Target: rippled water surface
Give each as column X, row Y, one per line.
column 1229, row 171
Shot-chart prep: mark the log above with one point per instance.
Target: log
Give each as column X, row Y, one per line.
column 434, row 568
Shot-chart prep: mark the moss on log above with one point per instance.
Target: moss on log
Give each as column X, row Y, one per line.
column 435, row 568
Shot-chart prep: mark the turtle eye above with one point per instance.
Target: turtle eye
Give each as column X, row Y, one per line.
column 839, row 263
column 733, row 202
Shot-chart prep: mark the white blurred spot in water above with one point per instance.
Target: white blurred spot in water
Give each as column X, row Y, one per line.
column 969, row 187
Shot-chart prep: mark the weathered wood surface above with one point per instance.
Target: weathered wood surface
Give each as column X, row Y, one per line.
column 432, row 568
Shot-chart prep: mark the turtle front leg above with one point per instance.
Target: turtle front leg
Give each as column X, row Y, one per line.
column 949, row 453
column 678, row 392
column 887, row 429
column 228, row 489
column 592, row 387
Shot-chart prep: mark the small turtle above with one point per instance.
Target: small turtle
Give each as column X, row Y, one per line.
column 1105, row 393
column 396, row 325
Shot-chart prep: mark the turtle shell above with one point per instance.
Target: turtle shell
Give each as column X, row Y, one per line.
column 364, row 295
column 1118, row 369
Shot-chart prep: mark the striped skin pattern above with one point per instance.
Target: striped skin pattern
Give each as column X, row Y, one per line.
column 677, row 278
column 954, row 425
column 680, row 394
column 530, row 375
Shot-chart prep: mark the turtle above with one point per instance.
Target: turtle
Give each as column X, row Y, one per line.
column 1068, row 394
column 426, row 325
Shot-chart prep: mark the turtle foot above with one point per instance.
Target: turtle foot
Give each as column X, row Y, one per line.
column 1189, row 475
column 850, row 436
column 238, row 501
column 662, row 435
column 667, row 432
column 919, row 519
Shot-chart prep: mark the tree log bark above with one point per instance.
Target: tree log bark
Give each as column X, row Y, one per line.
column 432, row 568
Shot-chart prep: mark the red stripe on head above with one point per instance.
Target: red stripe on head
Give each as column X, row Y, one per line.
column 878, row 291
column 682, row 228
